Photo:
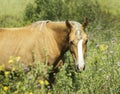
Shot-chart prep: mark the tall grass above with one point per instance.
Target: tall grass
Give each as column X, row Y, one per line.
column 100, row 77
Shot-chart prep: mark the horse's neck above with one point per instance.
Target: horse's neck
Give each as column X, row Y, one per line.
column 60, row 35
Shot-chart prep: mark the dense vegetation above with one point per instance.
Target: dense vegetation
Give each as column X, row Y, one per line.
column 103, row 56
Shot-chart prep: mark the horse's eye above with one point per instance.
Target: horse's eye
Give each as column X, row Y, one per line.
column 71, row 42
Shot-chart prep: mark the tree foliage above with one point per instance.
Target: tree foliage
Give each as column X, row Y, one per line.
column 61, row 10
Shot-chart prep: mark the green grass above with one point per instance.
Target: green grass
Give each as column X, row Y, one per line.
column 11, row 12
column 112, row 5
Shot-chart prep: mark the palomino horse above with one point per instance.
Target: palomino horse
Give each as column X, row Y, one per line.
column 53, row 37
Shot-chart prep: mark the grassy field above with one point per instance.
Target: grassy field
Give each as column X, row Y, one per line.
column 112, row 5
column 102, row 74
column 15, row 7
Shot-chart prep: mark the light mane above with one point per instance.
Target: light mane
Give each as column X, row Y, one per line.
column 40, row 24
column 76, row 24
column 78, row 27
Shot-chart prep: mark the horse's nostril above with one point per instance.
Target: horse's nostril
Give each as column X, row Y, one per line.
column 84, row 68
column 76, row 68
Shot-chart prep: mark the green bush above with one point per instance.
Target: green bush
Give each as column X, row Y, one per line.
column 62, row 10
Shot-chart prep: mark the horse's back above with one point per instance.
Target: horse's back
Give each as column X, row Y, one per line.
column 29, row 43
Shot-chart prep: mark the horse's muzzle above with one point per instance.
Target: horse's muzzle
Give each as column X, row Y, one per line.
column 79, row 69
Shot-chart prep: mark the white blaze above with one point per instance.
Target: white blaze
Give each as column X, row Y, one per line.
column 80, row 60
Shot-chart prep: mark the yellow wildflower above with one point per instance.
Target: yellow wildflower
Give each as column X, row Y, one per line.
column 48, row 93
column 103, row 47
column 28, row 92
column 10, row 61
column 18, row 58
column 5, row 88
column 7, row 73
column 46, row 82
column 1, row 67
column 16, row 92
column 41, row 82
column 13, row 69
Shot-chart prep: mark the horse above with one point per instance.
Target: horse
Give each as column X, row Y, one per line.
column 53, row 38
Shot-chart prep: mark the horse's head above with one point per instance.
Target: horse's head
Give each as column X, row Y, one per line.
column 78, row 43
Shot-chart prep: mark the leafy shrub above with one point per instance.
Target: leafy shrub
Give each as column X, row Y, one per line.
column 61, row 10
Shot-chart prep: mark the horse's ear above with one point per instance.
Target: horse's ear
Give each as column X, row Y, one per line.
column 85, row 23
column 68, row 24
